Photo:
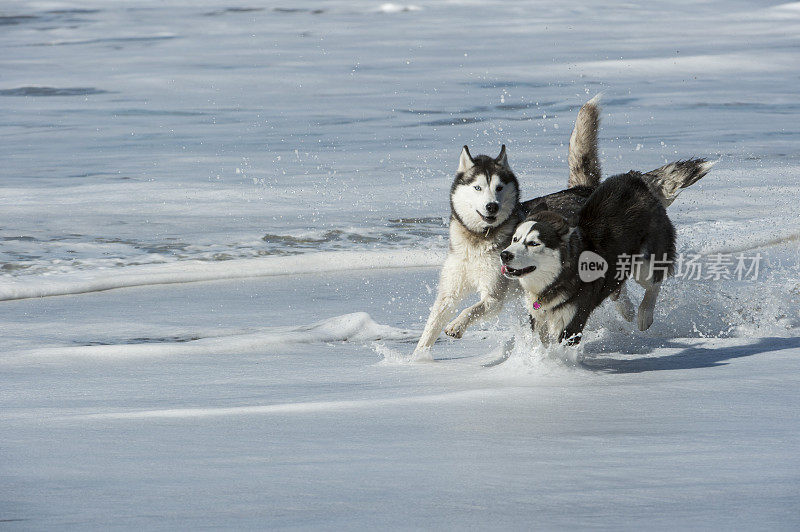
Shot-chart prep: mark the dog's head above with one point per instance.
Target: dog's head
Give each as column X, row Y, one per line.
column 534, row 256
column 485, row 191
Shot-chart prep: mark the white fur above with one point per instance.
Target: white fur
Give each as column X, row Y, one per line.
column 528, row 251
column 465, row 161
column 473, row 263
column 643, row 276
column 470, row 204
column 468, row 268
column 549, row 322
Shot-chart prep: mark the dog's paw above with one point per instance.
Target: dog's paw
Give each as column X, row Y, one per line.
column 455, row 329
column 422, row 354
column 645, row 318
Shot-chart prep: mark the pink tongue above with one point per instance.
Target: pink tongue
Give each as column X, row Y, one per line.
column 503, row 269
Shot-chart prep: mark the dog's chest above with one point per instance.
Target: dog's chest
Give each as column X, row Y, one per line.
column 473, row 246
column 551, row 319
column 479, row 258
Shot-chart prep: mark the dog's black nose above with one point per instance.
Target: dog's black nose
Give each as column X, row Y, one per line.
column 492, row 207
column 506, row 256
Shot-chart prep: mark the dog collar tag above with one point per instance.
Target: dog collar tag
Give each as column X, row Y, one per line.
column 536, row 305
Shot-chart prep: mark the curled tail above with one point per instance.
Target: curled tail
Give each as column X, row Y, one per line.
column 584, row 166
column 668, row 181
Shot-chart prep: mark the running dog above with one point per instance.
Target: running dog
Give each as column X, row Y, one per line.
column 621, row 219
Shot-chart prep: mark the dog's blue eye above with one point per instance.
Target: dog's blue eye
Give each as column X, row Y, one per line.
column 531, row 244
column 477, row 187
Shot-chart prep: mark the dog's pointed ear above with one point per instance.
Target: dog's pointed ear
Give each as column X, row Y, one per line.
column 562, row 227
column 559, row 224
column 502, row 159
column 465, row 162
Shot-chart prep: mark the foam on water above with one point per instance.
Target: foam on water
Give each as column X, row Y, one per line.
column 356, row 327
column 727, row 308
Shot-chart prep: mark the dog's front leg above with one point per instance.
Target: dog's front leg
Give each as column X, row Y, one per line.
column 573, row 332
column 483, row 309
column 449, row 295
column 490, row 304
column 540, row 327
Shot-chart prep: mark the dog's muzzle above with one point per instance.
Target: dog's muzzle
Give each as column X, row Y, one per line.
column 510, row 272
column 488, row 219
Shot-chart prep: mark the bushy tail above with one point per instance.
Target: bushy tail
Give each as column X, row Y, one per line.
column 584, row 166
column 668, row 181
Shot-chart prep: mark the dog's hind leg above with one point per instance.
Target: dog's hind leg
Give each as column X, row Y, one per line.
column 644, row 277
column 648, row 305
column 623, row 303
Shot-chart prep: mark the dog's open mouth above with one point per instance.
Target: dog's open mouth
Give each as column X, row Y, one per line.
column 508, row 271
column 487, row 219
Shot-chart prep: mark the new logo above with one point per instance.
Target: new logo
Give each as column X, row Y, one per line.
column 591, row 266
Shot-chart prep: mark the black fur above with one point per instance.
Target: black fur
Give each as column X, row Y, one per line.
column 567, row 203
column 552, row 228
column 662, row 182
column 622, row 215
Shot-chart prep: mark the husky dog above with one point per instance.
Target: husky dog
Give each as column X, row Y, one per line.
column 621, row 218
column 664, row 183
column 485, row 211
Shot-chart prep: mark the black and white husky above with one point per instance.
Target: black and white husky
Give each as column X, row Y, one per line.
column 485, row 211
column 621, row 219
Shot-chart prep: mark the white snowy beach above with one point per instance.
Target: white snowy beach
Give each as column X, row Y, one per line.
column 220, row 239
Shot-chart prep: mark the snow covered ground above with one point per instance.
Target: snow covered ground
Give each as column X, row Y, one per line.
column 219, row 241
